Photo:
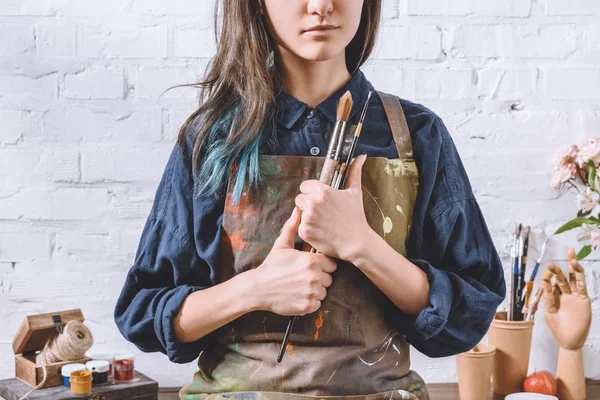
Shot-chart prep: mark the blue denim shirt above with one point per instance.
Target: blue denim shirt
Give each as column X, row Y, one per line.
column 178, row 251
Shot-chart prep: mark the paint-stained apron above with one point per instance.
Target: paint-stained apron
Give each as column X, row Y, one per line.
column 346, row 349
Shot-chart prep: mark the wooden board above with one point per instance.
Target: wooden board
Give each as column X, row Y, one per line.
column 140, row 388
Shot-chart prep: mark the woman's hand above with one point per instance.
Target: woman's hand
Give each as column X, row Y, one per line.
column 289, row 281
column 334, row 221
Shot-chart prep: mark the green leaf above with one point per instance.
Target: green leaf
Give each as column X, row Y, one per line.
column 591, row 173
column 576, row 223
column 580, row 213
column 585, row 251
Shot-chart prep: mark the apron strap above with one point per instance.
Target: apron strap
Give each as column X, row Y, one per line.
column 397, row 121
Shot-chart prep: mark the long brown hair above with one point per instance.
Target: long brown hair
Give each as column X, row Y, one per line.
column 238, row 94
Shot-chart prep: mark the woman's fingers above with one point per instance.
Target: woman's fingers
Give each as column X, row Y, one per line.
column 549, row 298
column 321, row 293
column 328, row 264
column 579, row 278
column 326, row 280
column 560, row 277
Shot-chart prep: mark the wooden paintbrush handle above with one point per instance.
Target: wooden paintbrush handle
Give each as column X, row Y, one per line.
column 327, row 171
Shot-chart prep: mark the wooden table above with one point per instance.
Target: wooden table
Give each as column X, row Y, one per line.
column 449, row 391
column 140, row 388
column 437, row 391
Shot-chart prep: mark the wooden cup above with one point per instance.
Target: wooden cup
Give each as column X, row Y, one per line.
column 474, row 370
column 513, row 346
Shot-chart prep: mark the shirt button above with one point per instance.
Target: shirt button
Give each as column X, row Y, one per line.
column 314, row 151
column 311, row 114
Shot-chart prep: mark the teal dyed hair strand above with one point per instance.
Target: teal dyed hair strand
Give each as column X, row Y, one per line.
column 221, row 156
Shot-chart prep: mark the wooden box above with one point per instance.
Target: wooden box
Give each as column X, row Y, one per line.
column 30, row 339
column 139, row 388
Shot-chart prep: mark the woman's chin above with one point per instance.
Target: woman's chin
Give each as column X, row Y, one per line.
column 320, row 52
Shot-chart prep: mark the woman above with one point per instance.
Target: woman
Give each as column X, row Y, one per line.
column 404, row 254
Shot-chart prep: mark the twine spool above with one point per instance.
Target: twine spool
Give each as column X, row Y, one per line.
column 71, row 345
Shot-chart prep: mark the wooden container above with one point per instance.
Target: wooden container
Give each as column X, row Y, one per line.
column 30, row 339
column 513, row 347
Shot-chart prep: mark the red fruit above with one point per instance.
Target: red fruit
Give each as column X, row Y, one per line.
column 541, row 382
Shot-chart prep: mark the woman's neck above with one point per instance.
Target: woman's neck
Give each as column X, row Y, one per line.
column 312, row 81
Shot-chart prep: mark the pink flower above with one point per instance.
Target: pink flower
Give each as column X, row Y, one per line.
column 589, row 150
column 566, row 165
column 566, row 155
column 589, row 236
column 588, row 199
column 563, row 175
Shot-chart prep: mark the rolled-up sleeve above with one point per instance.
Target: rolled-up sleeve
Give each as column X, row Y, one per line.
column 451, row 243
column 150, row 299
column 167, row 267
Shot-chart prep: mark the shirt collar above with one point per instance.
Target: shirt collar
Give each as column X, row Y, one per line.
column 291, row 109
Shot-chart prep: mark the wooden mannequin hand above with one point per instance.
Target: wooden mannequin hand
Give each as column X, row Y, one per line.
column 568, row 307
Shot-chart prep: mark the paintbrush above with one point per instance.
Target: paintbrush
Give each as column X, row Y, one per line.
column 534, row 307
column 334, row 147
column 526, row 298
column 340, row 182
column 327, row 172
column 525, row 234
column 513, row 299
column 523, row 247
column 528, row 292
column 539, row 260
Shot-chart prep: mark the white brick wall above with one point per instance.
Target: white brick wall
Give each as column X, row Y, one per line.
column 85, row 132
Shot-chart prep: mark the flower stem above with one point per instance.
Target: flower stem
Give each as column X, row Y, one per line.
column 575, row 186
column 583, row 179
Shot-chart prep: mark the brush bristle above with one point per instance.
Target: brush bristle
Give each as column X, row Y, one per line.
column 344, row 107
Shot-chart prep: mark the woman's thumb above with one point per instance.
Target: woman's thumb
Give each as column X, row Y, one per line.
column 355, row 172
column 289, row 231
